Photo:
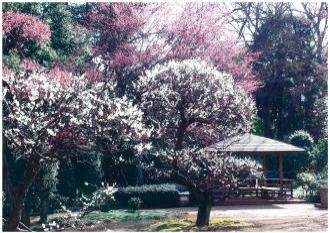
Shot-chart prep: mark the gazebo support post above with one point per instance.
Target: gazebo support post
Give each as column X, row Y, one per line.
column 264, row 168
column 280, row 171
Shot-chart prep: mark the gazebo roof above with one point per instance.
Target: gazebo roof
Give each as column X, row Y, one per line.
column 253, row 144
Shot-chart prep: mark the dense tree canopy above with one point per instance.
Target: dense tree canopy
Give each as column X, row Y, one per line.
column 292, row 82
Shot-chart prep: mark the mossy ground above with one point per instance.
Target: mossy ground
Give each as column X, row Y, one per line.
column 127, row 216
column 189, row 225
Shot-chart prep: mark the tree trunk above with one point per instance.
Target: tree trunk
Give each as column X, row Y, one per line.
column 204, row 209
column 26, row 216
column 43, row 210
column 18, row 199
column 16, row 211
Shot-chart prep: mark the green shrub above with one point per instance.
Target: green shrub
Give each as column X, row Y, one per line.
column 319, row 155
column 311, row 184
column 152, row 196
column 297, row 162
column 301, row 138
column 316, row 172
column 134, row 203
column 258, row 126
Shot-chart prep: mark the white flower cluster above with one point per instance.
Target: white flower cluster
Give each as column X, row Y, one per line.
column 37, row 109
column 99, row 197
column 208, row 170
column 117, row 120
column 34, row 112
column 193, row 95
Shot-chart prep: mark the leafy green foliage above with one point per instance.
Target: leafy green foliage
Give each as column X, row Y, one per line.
column 316, row 172
column 311, row 184
column 298, row 162
column 290, row 77
column 152, row 196
column 45, row 188
column 319, row 156
column 258, row 126
column 80, row 176
column 122, row 168
column 134, row 203
column 301, row 138
column 68, row 43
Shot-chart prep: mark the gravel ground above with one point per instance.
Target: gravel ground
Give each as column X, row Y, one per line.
column 276, row 217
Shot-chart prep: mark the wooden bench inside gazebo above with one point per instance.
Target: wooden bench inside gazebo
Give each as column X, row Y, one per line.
column 253, row 145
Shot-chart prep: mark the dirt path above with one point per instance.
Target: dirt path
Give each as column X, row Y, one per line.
column 277, row 217
column 296, row 224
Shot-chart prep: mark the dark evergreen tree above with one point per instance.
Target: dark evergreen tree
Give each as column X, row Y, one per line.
column 291, row 79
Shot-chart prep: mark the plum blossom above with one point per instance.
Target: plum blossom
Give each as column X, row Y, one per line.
column 45, row 116
column 45, row 111
column 207, row 170
column 34, row 110
column 191, row 95
column 24, row 27
column 135, row 37
column 201, row 31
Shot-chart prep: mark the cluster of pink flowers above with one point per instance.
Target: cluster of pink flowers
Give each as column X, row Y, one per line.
column 200, row 31
column 30, row 66
column 61, row 75
column 195, row 31
column 128, row 17
column 142, row 35
column 95, row 75
column 115, row 18
column 25, row 27
column 6, row 72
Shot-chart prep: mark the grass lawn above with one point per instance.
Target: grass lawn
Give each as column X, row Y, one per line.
column 112, row 220
column 189, row 225
column 142, row 220
column 127, row 216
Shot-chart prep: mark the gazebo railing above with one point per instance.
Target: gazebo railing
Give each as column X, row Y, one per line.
column 266, row 188
column 255, row 188
column 283, row 188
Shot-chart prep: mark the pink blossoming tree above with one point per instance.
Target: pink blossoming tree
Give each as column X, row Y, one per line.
column 21, row 28
column 134, row 37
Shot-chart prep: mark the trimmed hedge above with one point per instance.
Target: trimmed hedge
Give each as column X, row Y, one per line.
column 152, row 196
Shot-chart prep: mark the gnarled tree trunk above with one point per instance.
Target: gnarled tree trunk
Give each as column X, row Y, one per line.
column 19, row 194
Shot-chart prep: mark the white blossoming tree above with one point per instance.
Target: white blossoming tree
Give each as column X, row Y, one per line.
column 45, row 118
column 190, row 105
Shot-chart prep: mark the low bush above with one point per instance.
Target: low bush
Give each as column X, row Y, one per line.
column 311, row 184
column 134, row 203
column 152, row 196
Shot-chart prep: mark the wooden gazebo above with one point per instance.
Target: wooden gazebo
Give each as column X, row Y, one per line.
column 253, row 145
